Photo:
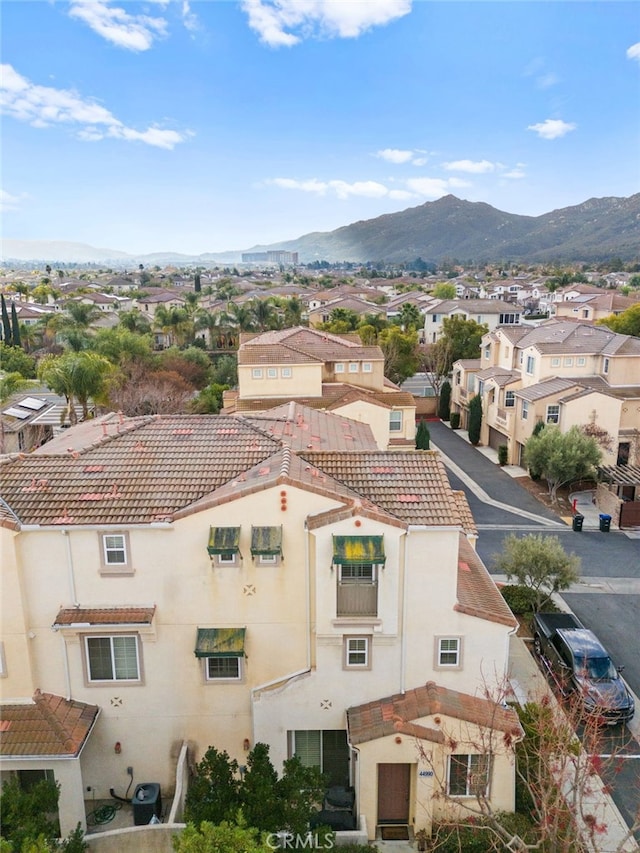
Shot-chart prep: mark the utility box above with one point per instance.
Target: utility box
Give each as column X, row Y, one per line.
column 147, row 803
column 578, row 521
column 605, row 523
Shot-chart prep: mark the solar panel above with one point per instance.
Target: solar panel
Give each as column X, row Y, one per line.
column 32, row 403
column 16, row 413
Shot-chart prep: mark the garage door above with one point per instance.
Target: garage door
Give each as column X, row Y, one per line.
column 496, row 438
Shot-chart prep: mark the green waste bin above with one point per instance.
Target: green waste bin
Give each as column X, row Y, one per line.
column 578, row 521
column 605, row 523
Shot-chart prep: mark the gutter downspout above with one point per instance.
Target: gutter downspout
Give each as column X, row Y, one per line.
column 308, row 593
column 67, row 674
column 403, row 626
column 72, row 581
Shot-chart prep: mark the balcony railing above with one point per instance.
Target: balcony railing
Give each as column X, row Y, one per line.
column 357, row 599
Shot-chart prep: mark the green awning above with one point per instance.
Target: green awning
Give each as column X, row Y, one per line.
column 354, row 550
column 266, row 540
column 224, row 540
column 220, row 643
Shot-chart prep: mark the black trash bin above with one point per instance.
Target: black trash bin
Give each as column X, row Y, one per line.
column 146, row 803
column 605, row 523
column 578, row 521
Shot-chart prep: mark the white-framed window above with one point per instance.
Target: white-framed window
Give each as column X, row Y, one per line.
column 605, row 365
column 112, row 657
column 285, row 373
column 226, row 559
column 256, row 373
column 553, row 413
column 272, row 372
column 521, row 358
column 327, row 750
column 458, row 377
column 509, row 399
column 223, row 668
column 353, row 367
column 356, row 652
column 487, row 351
column 531, row 362
column 367, row 367
column 268, row 559
column 568, row 362
column 339, row 367
column 395, row 421
column 555, row 362
column 449, row 652
column 468, row 775
column 581, row 361
column 115, row 549
column 525, row 410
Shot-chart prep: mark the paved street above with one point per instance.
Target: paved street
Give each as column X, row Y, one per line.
column 607, row 598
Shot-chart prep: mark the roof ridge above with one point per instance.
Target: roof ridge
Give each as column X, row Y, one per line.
column 63, row 735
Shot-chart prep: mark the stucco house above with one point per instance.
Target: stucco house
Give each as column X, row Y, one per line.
column 560, row 372
column 221, row 580
column 326, row 371
column 492, row 312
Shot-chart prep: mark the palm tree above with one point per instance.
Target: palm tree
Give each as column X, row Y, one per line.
column 76, row 376
column 264, row 313
column 134, row 321
column 175, row 323
column 240, row 317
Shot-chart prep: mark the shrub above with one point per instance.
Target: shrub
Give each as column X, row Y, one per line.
column 521, row 599
column 503, row 454
column 423, row 436
column 444, row 403
column 455, row 420
column 475, row 419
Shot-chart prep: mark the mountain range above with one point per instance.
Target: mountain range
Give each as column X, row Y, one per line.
column 470, row 232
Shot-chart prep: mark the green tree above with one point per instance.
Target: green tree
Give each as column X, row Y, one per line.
column 77, row 376
column 225, row 837
column 463, row 336
column 209, row 400
column 423, row 437
column 625, row 323
column 538, row 562
column 14, row 360
column 562, row 457
column 300, row 791
column 214, row 792
column 293, row 310
column 444, row 290
column 7, row 335
column 264, row 314
column 261, row 804
column 27, row 814
column 134, row 321
column 401, row 356
column 444, row 402
column 15, row 327
column 475, row 419
column 225, row 371
column 122, row 346
column 410, row 317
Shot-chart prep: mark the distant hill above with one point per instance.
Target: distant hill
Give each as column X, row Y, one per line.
column 595, row 230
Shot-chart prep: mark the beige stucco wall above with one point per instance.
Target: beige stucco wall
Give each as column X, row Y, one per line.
column 16, row 680
column 377, row 416
column 428, row 763
column 305, row 381
column 603, row 411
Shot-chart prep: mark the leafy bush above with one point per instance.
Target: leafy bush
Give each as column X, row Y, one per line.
column 521, row 599
column 444, row 403
column 455, row 420
column 475, row 419
column 503, row 454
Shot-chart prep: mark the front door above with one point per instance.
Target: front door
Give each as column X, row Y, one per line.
column 394, row 782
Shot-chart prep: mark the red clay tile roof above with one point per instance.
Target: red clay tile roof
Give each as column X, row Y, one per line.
column 105, row 616
column 48, row 726
column 304, row 428
column 477, row 593
column 388, row 716
column 321, row 346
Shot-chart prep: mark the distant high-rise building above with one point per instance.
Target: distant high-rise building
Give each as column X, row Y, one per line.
column 277, row 256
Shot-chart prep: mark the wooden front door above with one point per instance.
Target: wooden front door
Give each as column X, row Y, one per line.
column 394, row 783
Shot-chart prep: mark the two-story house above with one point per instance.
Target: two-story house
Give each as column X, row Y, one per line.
column 560, row 372
column 325, row 371
column 203, row 579
column 492, row 312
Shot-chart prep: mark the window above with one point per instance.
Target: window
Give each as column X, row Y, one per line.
column 366, row 367
column 227, row 559
column 525, row 410
column 272, row 372
column 553, row 414
column 229, row 669
column 113, row 658
column 487, row 352
column 268, row 559
column 555, row 362
column 285, row 372
column 458, row 377
column 256, row 373
column 30, row 778
column 581, row 361
column 605, row 365
column 327, row 750
column 353, row 367
column 568, row 362
column 266, row 545
column 115, row 552
column 468, row 775
column 357, row 590
column 449, row 652
column 509, row 319
column 356, row 652
column 480, row 387
column 434, row 318
column 395, row 421
column 530, row 363
column 509, row 399
column 339, row 368
column 224, row 545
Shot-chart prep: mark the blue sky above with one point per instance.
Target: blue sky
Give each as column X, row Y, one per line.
column 210, row 125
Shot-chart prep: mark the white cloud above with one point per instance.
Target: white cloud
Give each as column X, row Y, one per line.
column 9, row 202
column 132, row 32
column 474, row 167
column 341, row 189
column 44, row 106
column 516, row 173
column 633, row 52
column 395, row 155
column 189, row 19
column 283, row 23
column 552, row 128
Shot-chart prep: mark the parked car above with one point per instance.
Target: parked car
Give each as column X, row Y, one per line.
column 579, row 665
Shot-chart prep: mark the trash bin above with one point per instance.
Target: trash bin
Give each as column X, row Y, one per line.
column 605, row 523
column 147, row 803
column 578, row 521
